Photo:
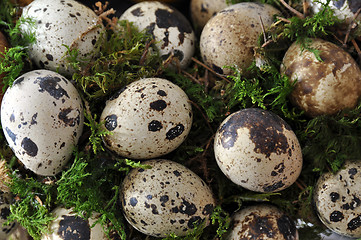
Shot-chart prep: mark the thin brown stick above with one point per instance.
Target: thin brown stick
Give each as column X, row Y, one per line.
column 283, row 19
column 191, row 77
column 210, row 69
column 203, row 115
column 305, row 6
column 145, row 52
column 294, row 11
column 357, row 49
column 263, row 30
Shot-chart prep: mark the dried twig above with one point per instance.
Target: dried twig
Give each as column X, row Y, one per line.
column 210, row 69
column 294, row 11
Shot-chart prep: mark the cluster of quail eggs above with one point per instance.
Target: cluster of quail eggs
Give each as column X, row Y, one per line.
column 42, row 117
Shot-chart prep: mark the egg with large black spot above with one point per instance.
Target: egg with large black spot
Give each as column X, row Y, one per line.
column 42, row 119
column 172, row 32
column 262, row 221
column 69, row 225
column 258, row 150
column 58, row 25
column 149, row 118
column 6, row 229
column 337, row 199
column 165, row 198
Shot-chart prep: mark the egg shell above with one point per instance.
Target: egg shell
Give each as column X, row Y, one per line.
column 337, row 199
column 69, row 226
column 258, row 150
column 149, row 118
column 262, row 222
column 172, row 32
column 166, row 198
column 42, row 119
column 203, row 10
column 61, row 23
column 229, row 38
column 343, row 9
column 322, row 87
column 6, row 230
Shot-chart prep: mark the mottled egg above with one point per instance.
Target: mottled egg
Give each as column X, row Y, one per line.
column 203, row 10
column 343, row 9
column 68, row 225
column 258, row 150
column 166, row 198
column 337, row 199
column 229, row 38
column 5, row 201
column 172, row 32
column 262, row 222
column 42, row 119
column 148, row 118
column 326, row 85
column 59, row 24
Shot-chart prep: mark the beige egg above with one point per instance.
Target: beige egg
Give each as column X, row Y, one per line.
column 203, row 10
column 149, row 118
column 337, row 199
column 166, row 198
column 258, row 150
column 229, row 38
column 262, row 222
column 59, row 24
column 322, row 87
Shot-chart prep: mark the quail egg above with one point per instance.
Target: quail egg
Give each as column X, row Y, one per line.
column 343, row 9
column 166, row 198
column 148, row 118
column 323, row 86
column 69, row 226
column 5, row 201
column 172, row 32
column 337, row 199
column 229, row 38
column 262, row 222
column 42, row 119
column 203, row 10
column 258, row 150
column 59, row 24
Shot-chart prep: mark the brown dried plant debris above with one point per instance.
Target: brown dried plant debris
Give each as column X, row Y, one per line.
column 5, row 179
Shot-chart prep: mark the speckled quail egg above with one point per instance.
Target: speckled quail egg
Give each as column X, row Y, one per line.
column 322, row 87
column 149, row 118
column 343, row 9
column 172, row 32
column 68, row 225
column 262, row 222
column 5, row 230
column 42, row 119
column 166, row 198
column 58, row 24
column 229, row 38
column 203, row 10
column 258, row 150
column 337, row 199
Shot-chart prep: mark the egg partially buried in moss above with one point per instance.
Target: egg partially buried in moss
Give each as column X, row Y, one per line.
column 343, row 9
column 69, row 226
column 6, row 230
column 258, row 150
column 262, row 222
column 42, row 119
column 172, row 32
column 166, row 198
column 149, row 118
column 59, row 24
column 326, row 85
column 229, row 38
column 337, row 198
